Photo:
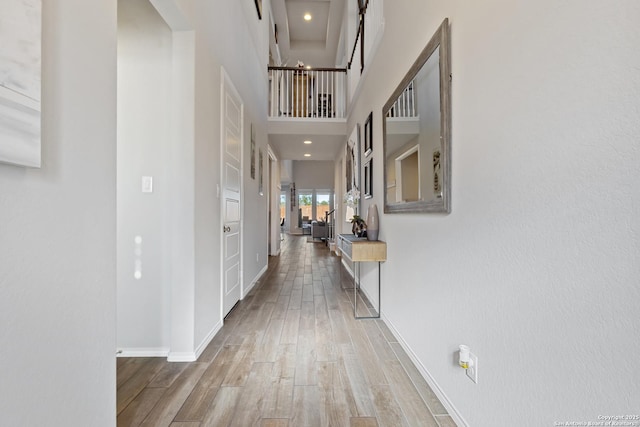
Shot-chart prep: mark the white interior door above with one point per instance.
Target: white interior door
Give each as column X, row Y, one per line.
column 232, row 126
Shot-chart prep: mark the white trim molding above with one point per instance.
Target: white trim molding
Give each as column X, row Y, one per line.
column 182, row 356
column 207, row 340
column 451, row 409
column 143, row 352
column 246, row 291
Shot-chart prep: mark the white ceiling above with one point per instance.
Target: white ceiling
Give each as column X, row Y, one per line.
column 314, row 30
column 287, row 139
column 292, row 147
column 314, row 42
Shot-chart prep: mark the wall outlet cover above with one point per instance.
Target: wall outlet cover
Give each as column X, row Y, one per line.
column 472, row 371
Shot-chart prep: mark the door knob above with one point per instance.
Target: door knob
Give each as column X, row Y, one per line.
column 226, row 229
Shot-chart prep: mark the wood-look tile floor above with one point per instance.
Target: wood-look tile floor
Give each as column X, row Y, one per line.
column 290, row 354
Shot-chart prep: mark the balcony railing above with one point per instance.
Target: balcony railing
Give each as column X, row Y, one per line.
column 405, row 106
column 316, row 93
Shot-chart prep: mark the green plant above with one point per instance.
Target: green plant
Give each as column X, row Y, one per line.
column 305, row 200
column 358, row 225
column 357, row 219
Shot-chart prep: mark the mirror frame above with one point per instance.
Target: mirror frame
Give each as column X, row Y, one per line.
column 441, row 39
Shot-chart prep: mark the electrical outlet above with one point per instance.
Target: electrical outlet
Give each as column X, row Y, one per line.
column 472, row 371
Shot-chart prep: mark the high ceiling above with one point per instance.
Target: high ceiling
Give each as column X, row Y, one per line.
column 313, row 42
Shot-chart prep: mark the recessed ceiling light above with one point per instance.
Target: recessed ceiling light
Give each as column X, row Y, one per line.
column 307, row 17
column 308, row 142
column 307, row 155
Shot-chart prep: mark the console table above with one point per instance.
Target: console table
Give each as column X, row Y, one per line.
column 358, row 250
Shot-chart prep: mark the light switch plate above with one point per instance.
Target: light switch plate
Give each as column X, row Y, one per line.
column 147, row 184
column 472, row 371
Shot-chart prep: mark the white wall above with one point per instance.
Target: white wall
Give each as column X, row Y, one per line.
column 155, row 138
column 191, row 279
column 286, row 171
column 144, row 132
column 536, row 268
column 214, row 23
column 180, row 308
column 57, row 251
column 313, row 174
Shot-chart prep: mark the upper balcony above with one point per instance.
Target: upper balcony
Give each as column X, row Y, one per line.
column 313, row 103
column 312, row 94
column 307, row 103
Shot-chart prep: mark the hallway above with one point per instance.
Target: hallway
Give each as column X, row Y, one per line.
column 290, row 354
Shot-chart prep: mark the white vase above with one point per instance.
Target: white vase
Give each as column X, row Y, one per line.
column 373, row 222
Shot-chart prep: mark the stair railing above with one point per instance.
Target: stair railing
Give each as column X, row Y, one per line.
column 330, row 225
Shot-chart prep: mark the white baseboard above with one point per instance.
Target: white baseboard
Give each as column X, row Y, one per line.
column 449, row 406
column 143, row 352
column 350, row 271
column 182, row 356
column 346, row 266
column 185, row 356
column 205, row 342
column 255, row 280
column 188, row 356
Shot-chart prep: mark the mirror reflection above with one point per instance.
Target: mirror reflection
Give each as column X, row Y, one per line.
column 416, row 129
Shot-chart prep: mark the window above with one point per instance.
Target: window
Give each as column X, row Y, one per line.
column 313, row 204
column 283, row 205
column 323, row 205
column 305, row 204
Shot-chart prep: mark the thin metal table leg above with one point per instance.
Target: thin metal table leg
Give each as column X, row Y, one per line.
column 355, row 295
column 356, row 276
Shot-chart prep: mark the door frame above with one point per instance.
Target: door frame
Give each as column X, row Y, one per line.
column 398, row 163
column 226, row 82
column 273, row 203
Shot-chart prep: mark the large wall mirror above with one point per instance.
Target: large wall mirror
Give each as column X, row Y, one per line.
column 417, row 133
